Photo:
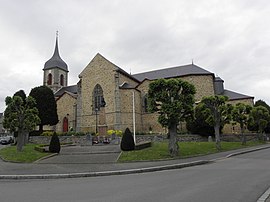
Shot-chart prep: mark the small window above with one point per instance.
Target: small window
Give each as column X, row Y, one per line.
column 49, row 81
column 62, row 80
column 145, row 102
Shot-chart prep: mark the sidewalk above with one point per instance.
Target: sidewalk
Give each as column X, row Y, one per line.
column 89, row 161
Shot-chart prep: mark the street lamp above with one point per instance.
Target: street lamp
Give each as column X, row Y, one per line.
column 96, row 111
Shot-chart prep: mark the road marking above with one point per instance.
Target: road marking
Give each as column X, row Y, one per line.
column 265, row 195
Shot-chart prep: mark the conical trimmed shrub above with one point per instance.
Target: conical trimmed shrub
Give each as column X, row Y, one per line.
column 54, row 144
column 127, row 142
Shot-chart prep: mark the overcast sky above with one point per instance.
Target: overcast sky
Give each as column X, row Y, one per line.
column 230, row 38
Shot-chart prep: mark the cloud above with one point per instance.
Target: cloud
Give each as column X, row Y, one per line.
column 229, row 38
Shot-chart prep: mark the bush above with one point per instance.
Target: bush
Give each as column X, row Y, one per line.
column 54, row 144
column 127, row 142
column 116, row 132
column 47, row 133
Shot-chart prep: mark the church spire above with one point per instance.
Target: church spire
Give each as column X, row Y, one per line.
column 56, row 61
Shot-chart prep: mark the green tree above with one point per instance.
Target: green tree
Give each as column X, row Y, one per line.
column 217, row 113
column 46, row 106
column 21, row 94
column 259, row 118
column 127, row 142
column 240, row 114
column 55, row 146
column 173, row 99
column 20, row 116
column 198, row 125
column 263, row 104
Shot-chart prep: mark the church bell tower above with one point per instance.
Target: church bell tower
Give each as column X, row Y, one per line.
column 55, row 71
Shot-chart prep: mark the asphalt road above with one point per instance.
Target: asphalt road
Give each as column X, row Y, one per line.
column 241, row 178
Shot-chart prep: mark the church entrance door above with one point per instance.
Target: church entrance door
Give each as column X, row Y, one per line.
column 65, row 124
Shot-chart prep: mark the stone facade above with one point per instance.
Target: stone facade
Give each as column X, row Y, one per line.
column 120, row 90
column 66, row 110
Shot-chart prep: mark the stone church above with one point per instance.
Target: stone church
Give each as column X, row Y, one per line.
column 107, row 97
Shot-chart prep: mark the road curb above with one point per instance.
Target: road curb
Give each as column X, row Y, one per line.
column 125, row 172
column 247, row 151
column 105, row 173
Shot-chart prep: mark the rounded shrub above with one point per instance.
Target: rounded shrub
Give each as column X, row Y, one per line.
column 54, row 144
column 127, row 142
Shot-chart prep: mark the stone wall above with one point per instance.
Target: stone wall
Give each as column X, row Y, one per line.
column 82, row 140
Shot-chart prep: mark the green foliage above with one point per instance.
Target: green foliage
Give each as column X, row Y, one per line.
column 20, row 116
column 28, row 155
column 21, row 94
column 159, row 150
column 46, row 104
column 259, row 118
column 216, row 113
column 263, row 104
column 198, row 125
column 127, row 142
column 215, row 110
column 47, row 133
column 240, row 115
column 54, row 144
column 173, row 99
column 119, row 133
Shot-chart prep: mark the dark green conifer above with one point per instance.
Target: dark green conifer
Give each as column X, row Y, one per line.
column 54, row 144
column 127, row 142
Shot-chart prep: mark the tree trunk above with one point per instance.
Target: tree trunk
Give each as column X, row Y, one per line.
column 173, row 146
column 20, row 141
column 41, row 128
column 217, row 137
column 25, row 137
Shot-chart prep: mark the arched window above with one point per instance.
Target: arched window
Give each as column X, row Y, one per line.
column 49, row 81
column 97, row 97
column 145, row 103
column 62, row 80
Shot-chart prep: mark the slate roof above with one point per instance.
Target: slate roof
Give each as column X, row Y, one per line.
column 56, row 60
column 236, row 96
column 172, row 72
column 72, row 89
column 126, row 85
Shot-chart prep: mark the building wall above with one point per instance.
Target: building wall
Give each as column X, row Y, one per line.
column 66, row 106
column 119, row 107
column 101, row 71
column 204, row 85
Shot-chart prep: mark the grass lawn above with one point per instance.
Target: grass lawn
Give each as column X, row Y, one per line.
column 159, row 150
column 28, row 155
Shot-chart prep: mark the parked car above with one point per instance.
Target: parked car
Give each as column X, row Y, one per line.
column 6, row 140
